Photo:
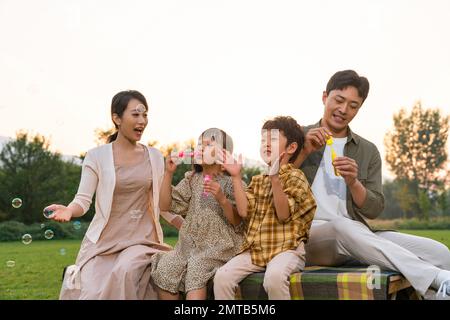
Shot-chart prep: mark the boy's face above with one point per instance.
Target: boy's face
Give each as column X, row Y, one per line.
column 341, row 106
column 273, row 144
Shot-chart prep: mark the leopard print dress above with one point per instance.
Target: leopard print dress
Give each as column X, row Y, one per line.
column 206, row 239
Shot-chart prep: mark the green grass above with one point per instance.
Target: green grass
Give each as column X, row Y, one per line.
column 39, row 265
column 38, row 268
column 438, row 235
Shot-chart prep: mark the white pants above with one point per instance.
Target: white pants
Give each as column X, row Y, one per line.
column 276, row 277
column 342, row 241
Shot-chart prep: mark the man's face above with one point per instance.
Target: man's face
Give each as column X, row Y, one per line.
column 341, row 106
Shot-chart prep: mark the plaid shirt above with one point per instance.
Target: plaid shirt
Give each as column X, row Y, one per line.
column 266, row 236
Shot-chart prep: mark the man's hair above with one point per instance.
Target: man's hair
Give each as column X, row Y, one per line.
column 291, row 130
column 343, row 79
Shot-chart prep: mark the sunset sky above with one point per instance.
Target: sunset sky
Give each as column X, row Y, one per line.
column 227, row 64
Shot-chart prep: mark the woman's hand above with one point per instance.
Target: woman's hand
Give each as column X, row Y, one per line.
column 228, row 162
column 60, row 213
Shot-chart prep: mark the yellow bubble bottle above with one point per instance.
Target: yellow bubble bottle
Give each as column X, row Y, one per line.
column 333, row 153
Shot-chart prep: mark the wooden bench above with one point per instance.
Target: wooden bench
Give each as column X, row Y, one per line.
column 325, row 283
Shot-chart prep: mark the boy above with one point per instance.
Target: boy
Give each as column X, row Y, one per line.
column 278, row 209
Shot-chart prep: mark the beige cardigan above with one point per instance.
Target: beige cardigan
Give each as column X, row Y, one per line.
column 101, row 180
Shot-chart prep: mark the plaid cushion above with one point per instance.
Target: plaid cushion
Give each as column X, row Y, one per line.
column 324, row 283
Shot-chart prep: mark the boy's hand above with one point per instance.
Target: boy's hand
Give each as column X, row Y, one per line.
column 276, row 165
column 228, row 162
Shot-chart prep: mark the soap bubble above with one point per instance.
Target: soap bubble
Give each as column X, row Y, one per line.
column 26, row 238
column 140, row 108
column 48, row 234
column 77, row 225
column 47, row 213
column 16, row 203
column 62, row 251
column 10, row 264
column 42, row 225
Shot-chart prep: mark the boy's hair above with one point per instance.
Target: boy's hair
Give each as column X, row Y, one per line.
column 291, row 130
column 343, row 79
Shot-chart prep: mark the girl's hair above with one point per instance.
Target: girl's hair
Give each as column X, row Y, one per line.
column 218, row 135
column 120, row 102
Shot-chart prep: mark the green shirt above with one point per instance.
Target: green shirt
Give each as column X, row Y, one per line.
column 367, row 156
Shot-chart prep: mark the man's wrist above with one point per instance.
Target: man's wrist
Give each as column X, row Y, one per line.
column 355, row 184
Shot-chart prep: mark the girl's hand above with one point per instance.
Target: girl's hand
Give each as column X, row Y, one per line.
column 171, row 165
column 228, row 162
column 214, row 188
column 60, row 213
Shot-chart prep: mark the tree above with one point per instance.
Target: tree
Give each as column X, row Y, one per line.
column 102, row 135
column 405, row 197
column 392, row 206
column 31, row 172
column 416, row 154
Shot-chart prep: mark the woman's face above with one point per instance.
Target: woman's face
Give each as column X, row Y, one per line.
column 134, row 120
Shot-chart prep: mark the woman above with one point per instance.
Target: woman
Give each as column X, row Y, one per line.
column 113, row 262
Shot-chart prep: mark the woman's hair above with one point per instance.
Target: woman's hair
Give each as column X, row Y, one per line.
column 220, row 137
column 119, row 104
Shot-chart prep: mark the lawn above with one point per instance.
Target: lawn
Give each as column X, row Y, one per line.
column 38, row 266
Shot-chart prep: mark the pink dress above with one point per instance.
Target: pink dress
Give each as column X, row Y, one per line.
column 118, row 265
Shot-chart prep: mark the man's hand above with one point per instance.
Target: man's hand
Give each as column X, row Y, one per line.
column 347, row 168
column 315, row 139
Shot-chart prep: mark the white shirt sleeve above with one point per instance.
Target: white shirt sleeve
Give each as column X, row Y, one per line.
column 88, row 183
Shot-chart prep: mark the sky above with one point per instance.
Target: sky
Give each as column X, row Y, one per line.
column 227, row 64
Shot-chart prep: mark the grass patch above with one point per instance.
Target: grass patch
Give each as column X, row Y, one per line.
column 38, row 268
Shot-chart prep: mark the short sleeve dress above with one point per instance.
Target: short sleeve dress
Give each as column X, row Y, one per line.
column 206, row 239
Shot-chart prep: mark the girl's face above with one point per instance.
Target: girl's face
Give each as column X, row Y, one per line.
column 133, row 121
column 205, row 153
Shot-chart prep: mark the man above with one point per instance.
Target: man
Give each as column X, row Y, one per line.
column 348, row 190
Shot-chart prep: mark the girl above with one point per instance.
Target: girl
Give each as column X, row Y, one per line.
column 113, row 261
column 212, row 231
